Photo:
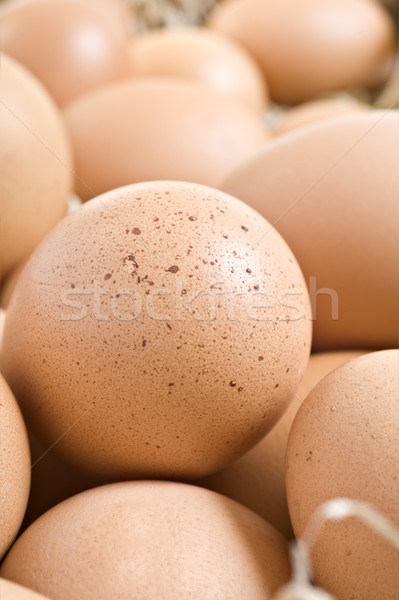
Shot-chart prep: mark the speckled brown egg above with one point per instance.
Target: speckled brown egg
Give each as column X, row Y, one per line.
column 160, row 329
column 35, row 164
column 201, row 55
column 311, row 47
column 257, row 479
column 331, row 189
column 343, row 443
column 76, row 49
column 150, row 540
column 14, row 467
column 159, row 128
column 12, row 591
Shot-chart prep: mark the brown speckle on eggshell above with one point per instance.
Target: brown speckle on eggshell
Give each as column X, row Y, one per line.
column 257, row 479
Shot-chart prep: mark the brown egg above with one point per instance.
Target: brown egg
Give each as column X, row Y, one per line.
column 158, row 129
column 14, row 467
column 200, row 55
column 75, row 48
column 317, row 110
column 34, row 164
column 343, row 443
column 116, row 12
column 311, row 47
column 331, row 189
column 257, row 479
column 155, row 336
column 150, row 540
column 52, row 481
column 12, row 591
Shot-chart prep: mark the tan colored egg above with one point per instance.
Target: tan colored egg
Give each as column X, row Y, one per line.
column 200, row 55
column 317, row 110
column 14, row 467
column 12, row 591
column 75, row 48
column 158, row 129
column 150, row 540
column 35, row 164
column 52, row 481
column 159, row 329
column 116, row 12
column 331, row 189
column 257, row 479
column 312, row 47
column 343, row 443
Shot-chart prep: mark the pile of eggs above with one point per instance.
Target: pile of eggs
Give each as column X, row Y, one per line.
column 199, row 290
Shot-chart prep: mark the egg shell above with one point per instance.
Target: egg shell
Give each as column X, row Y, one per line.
column 343, row 443
column 158, row 129
column 116, row 12
column 200, row 55
column 75, row 48
column 257, row 479
column 331, row 189
column 311, row 47
column 14, row 467
column 317, row 110
column 12, row 591
column 35, row 164
column 160, row 329
column 150, row 540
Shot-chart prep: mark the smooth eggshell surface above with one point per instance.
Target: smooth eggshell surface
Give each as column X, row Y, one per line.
column 200, row 55
column 343, row 443
column 311, row 47
column 331, row 189
column 76, row 49
column 14, row 467
column 159, row 129
column 257, row 479
column 12, row 591
column 150, row 540
column 160, row 329
column 35, row 164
